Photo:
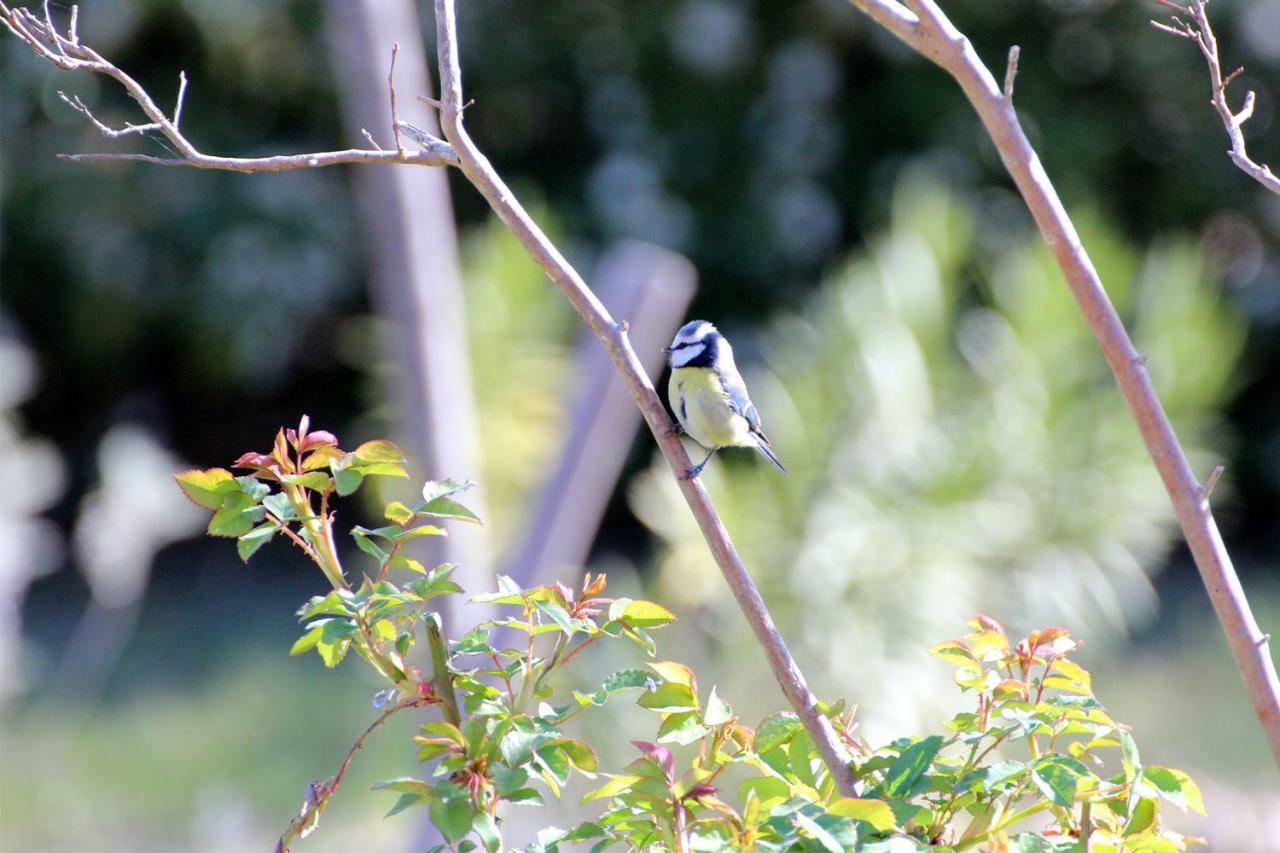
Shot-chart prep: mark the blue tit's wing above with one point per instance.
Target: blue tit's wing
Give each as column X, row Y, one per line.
column 740, row 401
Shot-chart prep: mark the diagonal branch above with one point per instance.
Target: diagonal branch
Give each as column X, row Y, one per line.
column 1201, row 33
column 613, row 335
column 935, row 37
column 68, row 53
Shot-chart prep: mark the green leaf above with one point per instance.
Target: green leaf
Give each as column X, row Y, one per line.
column 1055, row 782
column 646, row 614
column 474, row 642
column 615, row 786
column 346, row 481
column 332, row 653
column 718, row 711
column 280, row 506
column 668, row 697
column 557, row 614
column 487, row 829
column 253, row 487
column 956, row 653
column 248, row 544
column 307, row 641
column 1129, row 751
column 364, row 543
column 399, row 513
column 406, row 801
column 379, row 450
column 206, row 488
column 236, row 516
column 910, row 766
column 1176, row 787
column 579, row 754
column 453, row 816
column 875, row 812
column 433, row 489
column 449, row 509
column 317, row 481
column 517, row 745
column 682, row 728
column 776, row 730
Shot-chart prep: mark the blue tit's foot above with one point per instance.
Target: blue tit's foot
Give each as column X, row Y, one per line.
column 676, row 428
column 693, row 471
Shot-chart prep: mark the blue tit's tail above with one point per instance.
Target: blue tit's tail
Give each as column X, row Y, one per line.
column 766, row 451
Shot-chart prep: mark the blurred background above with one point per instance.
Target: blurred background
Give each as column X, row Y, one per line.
column 955, row 441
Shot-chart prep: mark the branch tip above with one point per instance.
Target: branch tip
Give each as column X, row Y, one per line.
column 1211, row 481
column 1011, row 74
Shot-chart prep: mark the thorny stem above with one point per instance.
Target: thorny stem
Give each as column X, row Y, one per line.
column 440, row 677
column 323, row 791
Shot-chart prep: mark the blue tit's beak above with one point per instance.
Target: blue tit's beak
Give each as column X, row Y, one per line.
column 668, row 350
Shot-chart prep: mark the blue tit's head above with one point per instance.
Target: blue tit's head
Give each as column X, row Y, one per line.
column 697, row 344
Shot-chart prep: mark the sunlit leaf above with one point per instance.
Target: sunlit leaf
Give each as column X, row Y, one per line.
column 875, row 812
column 206, row 488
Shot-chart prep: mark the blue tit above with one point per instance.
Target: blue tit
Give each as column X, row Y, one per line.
column 709, row 397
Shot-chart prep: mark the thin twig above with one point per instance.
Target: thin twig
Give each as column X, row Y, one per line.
column 391, row 87
column 613, row 336
column 67, row 52
column 935, row 37
column 1199, row 31
column 1207, row 489
column 1011, row 74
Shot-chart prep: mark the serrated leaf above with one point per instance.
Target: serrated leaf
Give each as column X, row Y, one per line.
column 398, row 512
column 557, row 614
column 435, row 489
column 645, row 614
column 677, row 673
column 955, row 652
column 615, row 786
column 875, row 812
column 364, row 543
column 379, row 450
column 682, row 728
column 306, row 641
column 253, row 487
column 346, row 481
column 236, row 516
column 487, row 830
column 776, row 730
column 280, row 506
column 1176, row 787
column 1055, row 782
column 449, row 509
column 248, row 544
column 718, row 711
column 317, row 481
column 453, row 816
column 579, row 754
column 669, row 697
column 206, row 488
column 910, row 765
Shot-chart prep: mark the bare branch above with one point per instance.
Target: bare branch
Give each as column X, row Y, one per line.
column 182, row 94
column 935, row 37
column 40, row 33
column 1202, row 34
column 613, row 336
column 391, row 87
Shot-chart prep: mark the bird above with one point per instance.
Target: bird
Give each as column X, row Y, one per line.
column 708, row 396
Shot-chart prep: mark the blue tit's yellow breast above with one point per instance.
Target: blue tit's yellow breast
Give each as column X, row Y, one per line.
column 700, row 403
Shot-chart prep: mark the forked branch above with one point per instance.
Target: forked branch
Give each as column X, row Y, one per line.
column 65, row 50
column 924, row 27
column 1198, row 31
